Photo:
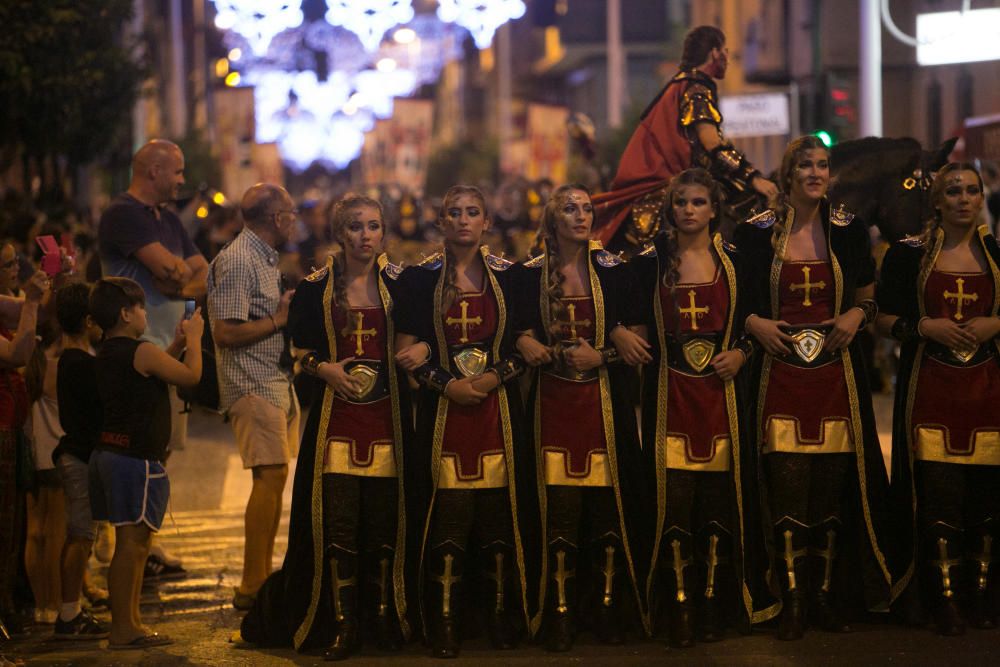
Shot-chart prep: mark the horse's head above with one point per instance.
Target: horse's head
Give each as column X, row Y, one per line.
column 887, row 181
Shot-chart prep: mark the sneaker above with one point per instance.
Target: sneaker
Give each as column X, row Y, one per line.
column 84, row 626
column 96, row 597
column 158, row 570
column 242, row 601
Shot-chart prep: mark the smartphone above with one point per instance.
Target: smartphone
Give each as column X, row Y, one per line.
column 51, row 259
column 189, row 306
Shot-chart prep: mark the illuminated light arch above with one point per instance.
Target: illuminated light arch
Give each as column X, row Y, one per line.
column 258, row 20
column 369, row 19
column 480, row 17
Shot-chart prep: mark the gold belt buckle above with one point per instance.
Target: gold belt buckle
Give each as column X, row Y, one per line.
column 367, row 376
column 964, row 357
column 698, row 352
column 808, row 344
column 470, row 361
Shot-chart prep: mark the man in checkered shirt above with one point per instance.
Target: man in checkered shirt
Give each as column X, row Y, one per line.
column 248, row 311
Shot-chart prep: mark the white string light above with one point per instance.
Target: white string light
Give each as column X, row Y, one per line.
column 480, row 17
column 258, row 20
column 368, row 19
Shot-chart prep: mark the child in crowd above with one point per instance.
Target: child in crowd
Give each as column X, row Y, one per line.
column 80, row 419
column 128, row 483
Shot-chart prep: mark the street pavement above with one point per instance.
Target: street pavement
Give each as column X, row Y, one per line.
column 205, row 529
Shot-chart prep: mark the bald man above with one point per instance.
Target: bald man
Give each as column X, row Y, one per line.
column 248, row 312
column 140, row 237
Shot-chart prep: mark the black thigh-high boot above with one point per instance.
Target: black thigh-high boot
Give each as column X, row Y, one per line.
column 943, row 544
column 500, row 567
column 444, row 576
column 823, row 608
column 560, row 596
column 607, row 561
column 982, row 613
column 715, row 546
column 790, row 544
column 387, row 633
column 677, row 582
column 343, row 572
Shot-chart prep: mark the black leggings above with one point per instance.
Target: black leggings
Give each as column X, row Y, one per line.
column 571, row 506
column 696, row 498
column 806, row 487
column 962, row 496
column 461, row 514
column 360, row 512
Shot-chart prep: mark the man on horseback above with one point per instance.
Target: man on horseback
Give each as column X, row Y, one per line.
column 680, row 128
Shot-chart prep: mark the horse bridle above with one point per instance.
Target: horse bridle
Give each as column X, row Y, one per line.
column 918, row 178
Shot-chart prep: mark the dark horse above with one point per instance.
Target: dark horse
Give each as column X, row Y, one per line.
column 884, row 181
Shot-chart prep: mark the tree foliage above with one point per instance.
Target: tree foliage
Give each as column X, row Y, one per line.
column 68, row 78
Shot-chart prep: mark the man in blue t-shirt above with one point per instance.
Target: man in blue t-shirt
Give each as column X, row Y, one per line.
column 140, row 237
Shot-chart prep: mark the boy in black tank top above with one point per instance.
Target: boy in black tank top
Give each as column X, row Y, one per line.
column 128, row 483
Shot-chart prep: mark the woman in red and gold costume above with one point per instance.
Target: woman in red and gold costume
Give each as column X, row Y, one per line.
column 825, row 488
column 691, row 281
column 575, row 307
column 940, row 296
column 470, row 459
column 344, row 571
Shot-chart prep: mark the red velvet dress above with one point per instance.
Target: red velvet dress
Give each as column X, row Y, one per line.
column 806, row 410
column 472, row 450
column 956, row 409
column 359, row 435
column 574, row 447
column 697, row 421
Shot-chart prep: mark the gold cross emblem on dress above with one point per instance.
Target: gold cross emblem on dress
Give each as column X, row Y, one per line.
column 572, row 321
column 359, row 333
column 960, row 297
column 807, row 286
column 693, row 311
column 464, row 321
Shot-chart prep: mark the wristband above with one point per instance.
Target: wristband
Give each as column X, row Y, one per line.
column 869, row 308
column 745, row 344
column 311, row 362
column 609, row 355
column 919, row 322
column 508, row 369
column 433, row 377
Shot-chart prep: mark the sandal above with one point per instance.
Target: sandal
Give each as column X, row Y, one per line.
column 142, row 641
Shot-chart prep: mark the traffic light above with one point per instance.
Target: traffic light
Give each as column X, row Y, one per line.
column 837, row 111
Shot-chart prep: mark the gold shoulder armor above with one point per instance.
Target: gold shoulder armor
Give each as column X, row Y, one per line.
column 498, row 263
column 432, row 262
column 535, row 262
column 393, row 271
column 697, row 106
column 318, row 274
column 763, row 220
column 914, row 241
column 649, row 250
column 607, row 259
column 840, row 217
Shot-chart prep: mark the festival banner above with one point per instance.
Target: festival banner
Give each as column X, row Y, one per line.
column 548, row 139
column 410, row 141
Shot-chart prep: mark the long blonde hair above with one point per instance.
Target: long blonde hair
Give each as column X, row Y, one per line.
column 554, row 280
column 937, row 191
column 451, row 290
column 341, row 215
column 793, row 153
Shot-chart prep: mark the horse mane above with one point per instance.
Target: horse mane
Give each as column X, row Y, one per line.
column 849, row 151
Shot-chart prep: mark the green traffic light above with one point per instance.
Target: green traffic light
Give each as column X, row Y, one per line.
column 825, row 137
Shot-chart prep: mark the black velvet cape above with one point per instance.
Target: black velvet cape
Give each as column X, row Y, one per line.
column 294, row 606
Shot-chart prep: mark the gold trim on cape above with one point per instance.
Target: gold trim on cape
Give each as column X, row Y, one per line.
column 505, row 428
column 607, row 415
column 399, row 582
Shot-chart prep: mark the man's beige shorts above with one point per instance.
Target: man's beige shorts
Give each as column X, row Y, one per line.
column 265, row 435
